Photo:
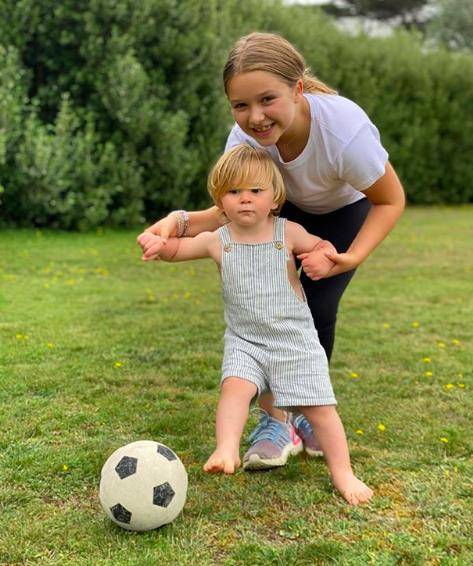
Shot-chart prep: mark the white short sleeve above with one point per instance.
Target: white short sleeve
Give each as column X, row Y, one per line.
column 363, row 160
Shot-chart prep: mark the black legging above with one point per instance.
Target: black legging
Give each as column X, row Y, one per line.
column 340, row 228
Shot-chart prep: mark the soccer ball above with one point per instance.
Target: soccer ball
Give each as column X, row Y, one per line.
column 143, row 486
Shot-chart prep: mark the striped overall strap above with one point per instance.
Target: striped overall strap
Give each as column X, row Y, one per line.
column 280, row 224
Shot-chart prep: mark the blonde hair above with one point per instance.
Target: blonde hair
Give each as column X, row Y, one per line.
column 271, row 53
column 245, row 166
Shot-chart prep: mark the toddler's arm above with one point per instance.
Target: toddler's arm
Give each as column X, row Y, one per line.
column 311, row 251
column 178, row 249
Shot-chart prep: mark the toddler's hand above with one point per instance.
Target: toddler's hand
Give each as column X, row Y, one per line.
column 165, row 228
column 152, row 245
column 317, row 264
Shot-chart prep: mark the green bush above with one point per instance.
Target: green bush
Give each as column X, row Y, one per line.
column 113, row 109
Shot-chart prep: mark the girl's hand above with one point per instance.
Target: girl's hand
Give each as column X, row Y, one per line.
column 342, row 263
column 152, row 245
column 166, row 227
column 317, row 264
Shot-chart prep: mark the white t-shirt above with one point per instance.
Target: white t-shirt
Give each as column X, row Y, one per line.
column 342, row 157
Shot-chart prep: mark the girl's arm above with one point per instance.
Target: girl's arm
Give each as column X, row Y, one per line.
column 199, row 221
column 388, row 200
column 178, row 249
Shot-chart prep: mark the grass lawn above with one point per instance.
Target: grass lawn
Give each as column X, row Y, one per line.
column 98, row 349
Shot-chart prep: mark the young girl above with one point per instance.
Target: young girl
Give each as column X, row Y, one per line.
column 270, row 340
column 339, row 182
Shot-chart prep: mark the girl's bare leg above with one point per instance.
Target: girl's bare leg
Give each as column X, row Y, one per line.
column 330, row 432
column 232, row 413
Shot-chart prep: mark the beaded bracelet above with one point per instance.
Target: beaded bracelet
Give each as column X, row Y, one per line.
column 182, row 217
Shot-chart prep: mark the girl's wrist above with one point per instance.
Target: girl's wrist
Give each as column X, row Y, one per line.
column 182, row 218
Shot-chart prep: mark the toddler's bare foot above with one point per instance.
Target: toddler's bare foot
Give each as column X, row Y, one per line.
column 225, row 461
column 352, row 489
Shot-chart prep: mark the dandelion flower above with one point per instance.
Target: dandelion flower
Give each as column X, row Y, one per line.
column 441, row 344
column 461, row 385
column 426, row 360
column 415, row 324
column 456, row 342
column 386, row 325
column 360, row 431
column 449, row 386
column 381, row 427
column 50, row 345
column 443, row 439
column 118, row 364
column 428, row 374
column 65, row 467
column 354, row 375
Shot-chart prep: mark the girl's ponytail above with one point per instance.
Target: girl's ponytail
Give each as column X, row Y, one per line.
column 313, row 84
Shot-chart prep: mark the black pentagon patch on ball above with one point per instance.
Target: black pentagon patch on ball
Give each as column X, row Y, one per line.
column 163, row 494
column 126, row 467
column 166, row 452
column 121, row 514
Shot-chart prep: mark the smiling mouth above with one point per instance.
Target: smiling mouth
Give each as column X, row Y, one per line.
column 263, row 129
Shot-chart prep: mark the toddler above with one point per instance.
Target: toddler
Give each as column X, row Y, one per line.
column 270, row 340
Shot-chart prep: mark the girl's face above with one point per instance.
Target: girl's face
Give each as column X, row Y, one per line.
column 248, row 206
column 264, row 106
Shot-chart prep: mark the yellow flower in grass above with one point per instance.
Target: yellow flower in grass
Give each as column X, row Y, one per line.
column 461, row 385
column 426, row 360
column 456, row 342
column 381, row 427
column 360, row 431
column 441, row 344
column 386, row 325
column 449, row 386
column 50, row 345
column 354, row 375
column 428, row 374
column 415, row 324
column 20, row 336
column 118, row 364
column 444, row 439
column 150, row 296
column 65, row 467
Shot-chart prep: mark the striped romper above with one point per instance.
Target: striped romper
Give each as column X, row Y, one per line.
column 270, row 339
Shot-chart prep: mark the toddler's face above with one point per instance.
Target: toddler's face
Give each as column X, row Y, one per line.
column 248, row 206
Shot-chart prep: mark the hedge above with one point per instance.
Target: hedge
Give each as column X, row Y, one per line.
column 111, row 111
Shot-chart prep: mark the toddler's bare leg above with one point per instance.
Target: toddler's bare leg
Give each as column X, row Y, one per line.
column 330, row 432
column 232, row 413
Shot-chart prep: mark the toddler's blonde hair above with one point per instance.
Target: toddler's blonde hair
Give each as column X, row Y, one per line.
column 271, row 53
column 245, row 166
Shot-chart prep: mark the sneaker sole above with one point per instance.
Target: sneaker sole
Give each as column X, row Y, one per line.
column 313, row 453
column 254, row 462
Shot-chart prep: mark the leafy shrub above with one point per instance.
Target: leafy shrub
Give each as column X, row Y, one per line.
column 113, row 109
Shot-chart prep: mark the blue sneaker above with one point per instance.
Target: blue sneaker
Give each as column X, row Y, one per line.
column 305, row 431
column 272, row 443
